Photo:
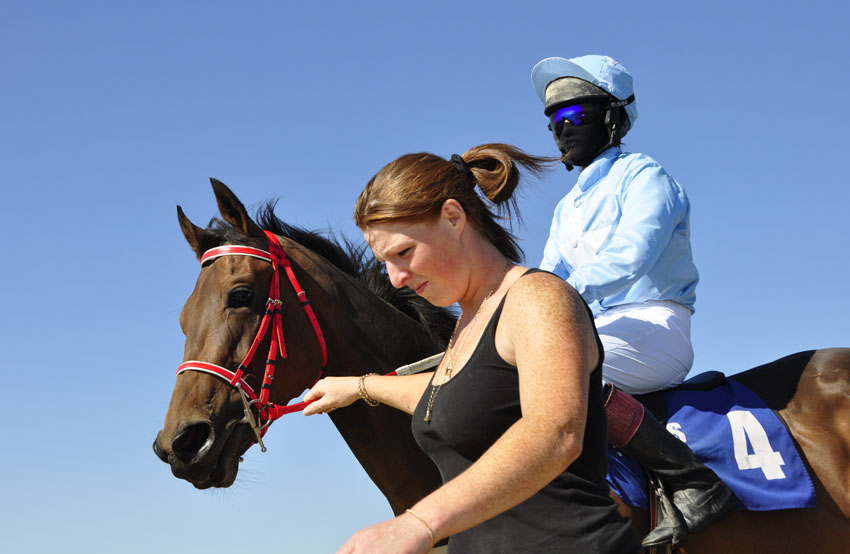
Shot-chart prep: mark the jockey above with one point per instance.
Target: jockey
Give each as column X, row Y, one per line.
column 621, row 238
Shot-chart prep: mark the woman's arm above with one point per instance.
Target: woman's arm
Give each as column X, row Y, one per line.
column 546, row 331
column 401, row 392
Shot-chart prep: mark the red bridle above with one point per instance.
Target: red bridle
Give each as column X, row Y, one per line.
column 267, row 411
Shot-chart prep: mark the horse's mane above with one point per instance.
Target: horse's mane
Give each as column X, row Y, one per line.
column 350, row 257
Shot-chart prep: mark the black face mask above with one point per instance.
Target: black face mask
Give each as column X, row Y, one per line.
column 580, row 145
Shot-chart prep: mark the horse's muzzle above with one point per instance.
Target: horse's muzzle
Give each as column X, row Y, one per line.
column 203, row 454
column 160, row 453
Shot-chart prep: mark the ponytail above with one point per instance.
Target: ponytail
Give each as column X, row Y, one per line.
column 414, row 187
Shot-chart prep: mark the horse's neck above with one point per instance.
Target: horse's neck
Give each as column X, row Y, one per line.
column 364, row 333
column 381, row 438
column 379, row 339
column 368, row 335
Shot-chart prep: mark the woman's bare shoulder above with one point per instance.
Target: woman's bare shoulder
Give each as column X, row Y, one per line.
column 540, row 297
column 543, row 287
column 547, row 324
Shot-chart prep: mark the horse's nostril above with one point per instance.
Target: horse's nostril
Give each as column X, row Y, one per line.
column 160, row 453
column 191, row 441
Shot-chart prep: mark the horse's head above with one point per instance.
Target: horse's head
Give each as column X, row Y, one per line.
column 206, row 429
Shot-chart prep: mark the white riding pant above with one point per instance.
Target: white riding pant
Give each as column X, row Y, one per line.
column 647, row 346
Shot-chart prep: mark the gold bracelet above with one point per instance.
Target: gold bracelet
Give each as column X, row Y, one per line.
column 428, row 527
column 361, row 387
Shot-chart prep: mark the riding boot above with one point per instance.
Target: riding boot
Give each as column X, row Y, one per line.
column 698, row 496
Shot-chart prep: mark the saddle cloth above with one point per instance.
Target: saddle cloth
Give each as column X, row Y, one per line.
column 735, row 434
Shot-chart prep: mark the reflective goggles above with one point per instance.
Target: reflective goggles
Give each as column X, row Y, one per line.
column 580, row 114
column 576, row 115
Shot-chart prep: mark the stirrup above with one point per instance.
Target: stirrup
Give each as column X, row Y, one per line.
column 671, row 528
column 676, row 525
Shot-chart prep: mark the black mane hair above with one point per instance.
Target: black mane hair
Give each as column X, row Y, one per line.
column 346, row 255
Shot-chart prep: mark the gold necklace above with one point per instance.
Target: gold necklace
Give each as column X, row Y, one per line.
column 452, row 354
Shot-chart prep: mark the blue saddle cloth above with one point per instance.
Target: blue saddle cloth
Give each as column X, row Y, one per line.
column 735, row 434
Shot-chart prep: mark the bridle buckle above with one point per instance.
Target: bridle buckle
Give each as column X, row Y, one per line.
column 249, row 417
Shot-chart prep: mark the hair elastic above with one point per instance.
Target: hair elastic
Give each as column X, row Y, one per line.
column 461, row 165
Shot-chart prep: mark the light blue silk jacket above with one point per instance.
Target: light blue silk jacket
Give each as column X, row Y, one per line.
column 622, row 234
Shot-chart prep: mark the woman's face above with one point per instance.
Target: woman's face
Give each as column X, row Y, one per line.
column 422, row 256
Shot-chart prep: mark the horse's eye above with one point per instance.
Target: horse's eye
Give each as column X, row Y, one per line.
column 241, row 297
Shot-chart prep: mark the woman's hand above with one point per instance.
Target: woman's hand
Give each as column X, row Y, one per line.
column 402, row 535
column 331, row 393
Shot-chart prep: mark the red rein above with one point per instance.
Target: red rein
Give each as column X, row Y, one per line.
column 268, row 412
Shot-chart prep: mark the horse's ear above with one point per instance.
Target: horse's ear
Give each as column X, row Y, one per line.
column 233, row 211
column 191, row 231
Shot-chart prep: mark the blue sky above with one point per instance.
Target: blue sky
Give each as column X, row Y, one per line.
column 114, row 112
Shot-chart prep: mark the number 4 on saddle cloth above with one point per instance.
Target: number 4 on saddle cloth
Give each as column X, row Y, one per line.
column 735, row 434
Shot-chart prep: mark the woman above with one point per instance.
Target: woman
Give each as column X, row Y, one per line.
column 513, row 415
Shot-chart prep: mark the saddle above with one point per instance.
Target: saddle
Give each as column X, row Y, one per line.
column 734, row 433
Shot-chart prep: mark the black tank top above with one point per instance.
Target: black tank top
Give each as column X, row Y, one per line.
column 573, row 513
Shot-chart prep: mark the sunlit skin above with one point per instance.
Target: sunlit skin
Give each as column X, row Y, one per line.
column 433, row 257
column 413, row 254
column 544, row 330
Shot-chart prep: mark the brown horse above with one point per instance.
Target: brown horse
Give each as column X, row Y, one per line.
column 368, row 326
